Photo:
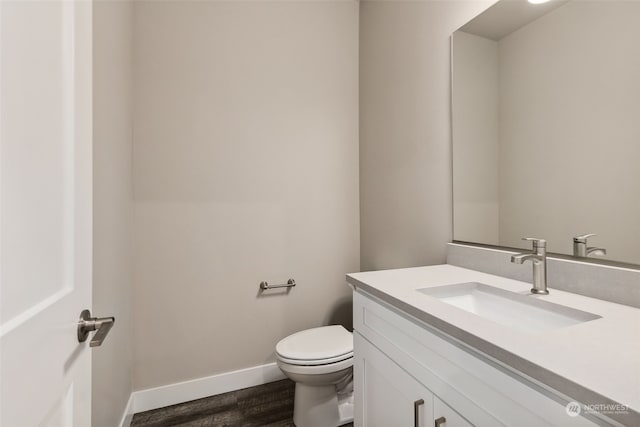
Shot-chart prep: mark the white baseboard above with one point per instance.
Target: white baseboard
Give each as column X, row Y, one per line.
column 158, row 397
column 128, row 413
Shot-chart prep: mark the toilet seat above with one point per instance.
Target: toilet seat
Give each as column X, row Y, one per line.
column 318, row 346
column 330, row 368
column 315, row 362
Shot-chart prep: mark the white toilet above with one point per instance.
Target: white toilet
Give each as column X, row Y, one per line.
column 320, row 361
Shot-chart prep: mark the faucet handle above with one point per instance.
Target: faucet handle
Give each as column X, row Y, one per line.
column 583, row 238
column 537, row 243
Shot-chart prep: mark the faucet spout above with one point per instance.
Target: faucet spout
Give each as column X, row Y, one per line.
column 521, row 258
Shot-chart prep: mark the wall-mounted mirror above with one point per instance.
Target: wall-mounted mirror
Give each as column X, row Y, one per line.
column 546, row 126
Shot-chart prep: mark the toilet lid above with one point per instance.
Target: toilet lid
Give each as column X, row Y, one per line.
column 327, row 343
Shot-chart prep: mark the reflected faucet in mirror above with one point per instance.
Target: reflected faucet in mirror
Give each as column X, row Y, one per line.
column 580, row 248
column 538, row 258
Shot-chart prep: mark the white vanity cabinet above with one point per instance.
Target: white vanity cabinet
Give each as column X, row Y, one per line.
column 401, row 362
column 392, row 397
column 444, row 416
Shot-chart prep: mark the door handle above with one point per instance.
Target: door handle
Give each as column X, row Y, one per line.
column 88, row 324
column 440, row 421
column 416, row 412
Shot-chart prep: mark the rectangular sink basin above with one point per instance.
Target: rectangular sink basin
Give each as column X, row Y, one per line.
column 518, row 311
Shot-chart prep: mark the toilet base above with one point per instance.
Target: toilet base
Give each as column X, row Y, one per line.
column 345, row 408
column 318, row 406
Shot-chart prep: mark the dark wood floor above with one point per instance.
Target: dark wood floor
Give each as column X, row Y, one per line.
column 261, row 406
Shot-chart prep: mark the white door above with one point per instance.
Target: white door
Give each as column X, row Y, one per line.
column 45, row 211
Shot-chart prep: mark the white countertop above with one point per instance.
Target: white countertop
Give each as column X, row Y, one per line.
column 600, row 356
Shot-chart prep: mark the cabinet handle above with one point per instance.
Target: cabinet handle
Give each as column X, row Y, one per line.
column 440, row 421
column 416, row 412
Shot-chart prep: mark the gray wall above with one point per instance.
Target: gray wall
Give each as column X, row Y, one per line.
column 475, row 114
column 245, row 169
column 112, row 284
column 405, row 149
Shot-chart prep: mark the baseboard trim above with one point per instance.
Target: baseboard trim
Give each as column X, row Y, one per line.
column 128, row 413
column 158, row 397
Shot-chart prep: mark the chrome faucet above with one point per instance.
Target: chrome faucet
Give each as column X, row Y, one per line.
column 539, row 260
column 580, row 248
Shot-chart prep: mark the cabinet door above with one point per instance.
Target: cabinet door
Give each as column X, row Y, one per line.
column 444, row 416
column 385, row 395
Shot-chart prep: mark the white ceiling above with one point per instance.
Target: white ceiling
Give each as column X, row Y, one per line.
column 506, row 16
